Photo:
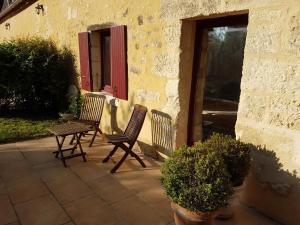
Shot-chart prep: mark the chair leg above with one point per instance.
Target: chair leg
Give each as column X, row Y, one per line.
column 138, row 159
column 113, row 170
column 129, row 149
column 112, row 152
column 97, row 129
column 93, row 138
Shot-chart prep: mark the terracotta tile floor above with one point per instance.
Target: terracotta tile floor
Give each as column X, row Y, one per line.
column 35, row 189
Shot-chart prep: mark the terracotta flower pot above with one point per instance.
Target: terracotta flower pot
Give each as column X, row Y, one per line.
column 228, row 212
column 183, row 216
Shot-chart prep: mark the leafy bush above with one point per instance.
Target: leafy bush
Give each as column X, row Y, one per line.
column 235, row 153
column 75, row 103
column 34, row 75
column 197, row 179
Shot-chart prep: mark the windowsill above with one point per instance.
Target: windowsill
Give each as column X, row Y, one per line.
column 109, row 97
column 108, row 89
column 106, row 93
column 102, row 92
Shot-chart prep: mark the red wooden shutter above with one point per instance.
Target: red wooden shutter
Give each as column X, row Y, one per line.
column 84, row 54
column 118, row 61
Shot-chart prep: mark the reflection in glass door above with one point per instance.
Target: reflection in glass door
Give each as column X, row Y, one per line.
column 218, row 64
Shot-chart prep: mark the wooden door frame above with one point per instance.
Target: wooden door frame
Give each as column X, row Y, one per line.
column 232, row 20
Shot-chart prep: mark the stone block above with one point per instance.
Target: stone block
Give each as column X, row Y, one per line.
column 145, row 95
column 172, row 34
column 266, row 16
column 135, row 70
column 284, row 111
column 70, row 189
column 244, row 4
column 179, row 8
column 136, row 212
column 41, row 211
column 293, row 33
column 26, row 189
column 166, row 65
column 109, row 189
column 7, row 213
column 252, row 107
column 263, row 38
column 92, row 210
column 270, row 75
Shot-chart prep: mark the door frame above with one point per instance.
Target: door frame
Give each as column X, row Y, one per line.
column 231, row 20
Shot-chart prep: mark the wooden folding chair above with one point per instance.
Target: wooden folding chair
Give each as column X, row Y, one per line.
column 127, row 140
column 91, row 113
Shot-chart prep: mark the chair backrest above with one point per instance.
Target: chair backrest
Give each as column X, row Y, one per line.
column 135, row 123
column 92, row 107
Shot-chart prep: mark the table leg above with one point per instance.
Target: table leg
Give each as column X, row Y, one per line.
column 80, row 147
column 75, row 145
column 60, row 144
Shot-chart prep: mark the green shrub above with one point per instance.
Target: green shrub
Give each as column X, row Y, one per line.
column 197, row 179
column 75, row 103
column 34, row 75
column 235, row 153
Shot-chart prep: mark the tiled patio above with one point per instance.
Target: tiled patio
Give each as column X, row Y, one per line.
column 35, row 189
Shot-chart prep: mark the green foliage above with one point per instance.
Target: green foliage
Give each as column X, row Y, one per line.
column 16, row 129
column 75, row 103
column 235, row 153
column 197, row 179
column 34, row 75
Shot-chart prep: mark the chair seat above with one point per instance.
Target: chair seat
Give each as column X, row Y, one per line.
column 117, row 138
column 87, row 122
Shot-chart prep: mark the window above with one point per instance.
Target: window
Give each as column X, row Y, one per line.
column 103, row 60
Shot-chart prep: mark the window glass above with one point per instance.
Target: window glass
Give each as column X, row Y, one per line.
column 224, row 62
column 106, row 60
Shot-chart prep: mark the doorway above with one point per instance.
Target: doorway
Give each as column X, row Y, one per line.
column 217, row 71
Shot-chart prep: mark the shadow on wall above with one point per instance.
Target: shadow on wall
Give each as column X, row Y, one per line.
column 115, row 127
column 162, row 133
column 113, row 120
column 272, row 190
column 162, row 136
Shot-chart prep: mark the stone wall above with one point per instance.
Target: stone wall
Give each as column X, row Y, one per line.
column 269, row 108
column 160, row 55
column 147, row 48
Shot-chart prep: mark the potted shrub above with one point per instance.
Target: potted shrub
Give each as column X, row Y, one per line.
column 198, row 183
column 236, row 155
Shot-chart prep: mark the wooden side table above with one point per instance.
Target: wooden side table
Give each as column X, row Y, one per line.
column 63, row 130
